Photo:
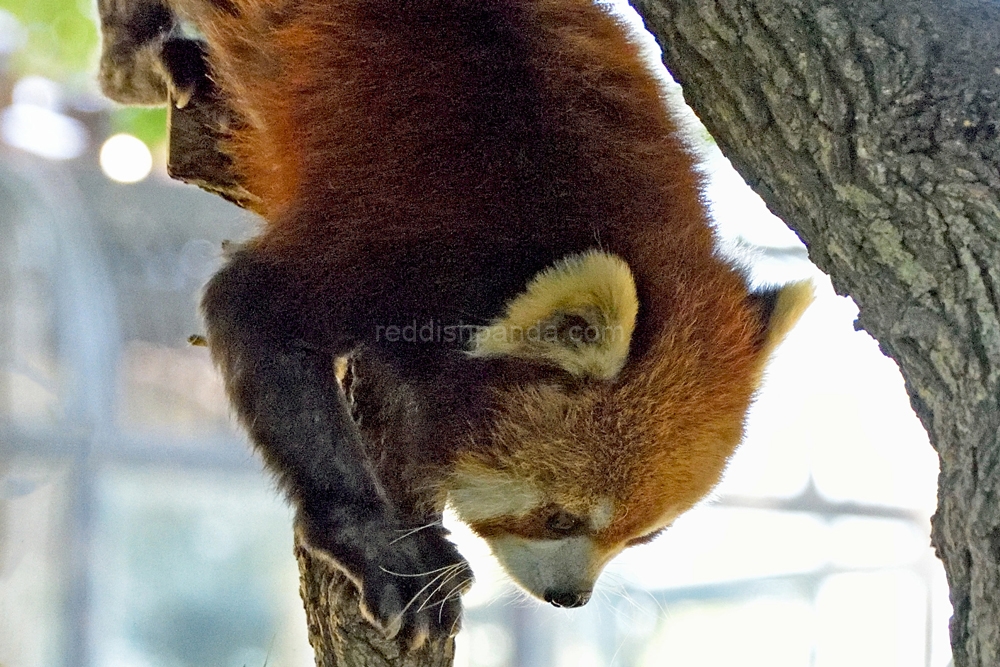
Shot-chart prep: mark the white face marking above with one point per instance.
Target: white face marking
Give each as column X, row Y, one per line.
column 600, row 516
column 570, row 564
column 483, row 494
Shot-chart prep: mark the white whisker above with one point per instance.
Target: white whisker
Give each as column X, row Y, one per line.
column 444, row 580
column 453, row 593
column 421, row 574
column 443, row 572
column 411, row 531
column 458, row 619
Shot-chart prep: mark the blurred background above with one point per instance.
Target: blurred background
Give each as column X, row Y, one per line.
column 138, row 530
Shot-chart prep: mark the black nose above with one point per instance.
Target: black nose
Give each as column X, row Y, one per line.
column 568, row 599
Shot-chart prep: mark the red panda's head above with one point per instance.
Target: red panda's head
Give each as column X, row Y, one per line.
column 607, row 449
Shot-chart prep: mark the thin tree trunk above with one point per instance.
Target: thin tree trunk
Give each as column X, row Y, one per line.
column 870, row 127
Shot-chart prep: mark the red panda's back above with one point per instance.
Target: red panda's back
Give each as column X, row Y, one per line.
column 372, row 107
column 491, row 117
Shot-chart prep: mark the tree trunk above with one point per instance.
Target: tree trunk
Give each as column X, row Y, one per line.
column 870, row 127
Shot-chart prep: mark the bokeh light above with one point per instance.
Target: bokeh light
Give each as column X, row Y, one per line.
column 43, row 132
column 125, row 159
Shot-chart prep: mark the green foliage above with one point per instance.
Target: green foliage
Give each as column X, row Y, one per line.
column 61, row 36
column 62, row 42
column 148, row 124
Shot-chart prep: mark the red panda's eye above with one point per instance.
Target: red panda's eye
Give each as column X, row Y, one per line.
column 563, row 522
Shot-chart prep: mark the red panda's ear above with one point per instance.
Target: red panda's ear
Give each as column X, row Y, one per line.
column 578, row 314
column 779, row 308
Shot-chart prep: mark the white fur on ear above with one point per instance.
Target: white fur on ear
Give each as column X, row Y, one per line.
column 578, row 314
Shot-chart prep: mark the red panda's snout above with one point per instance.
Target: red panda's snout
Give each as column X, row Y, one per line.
column 562, row 572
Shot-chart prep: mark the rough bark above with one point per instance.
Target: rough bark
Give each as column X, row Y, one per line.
column 870, row 127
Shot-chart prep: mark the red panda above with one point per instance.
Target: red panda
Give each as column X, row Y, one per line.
column 487, row 279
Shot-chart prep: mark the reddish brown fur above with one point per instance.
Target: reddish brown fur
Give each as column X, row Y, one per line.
column 356, row 114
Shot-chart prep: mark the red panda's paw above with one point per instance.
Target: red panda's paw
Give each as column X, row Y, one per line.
column 411, row 579
column 414, row 592
column 186, row 67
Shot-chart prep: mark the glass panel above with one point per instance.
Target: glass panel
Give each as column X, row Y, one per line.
column 33, row 565
column 193, row 569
